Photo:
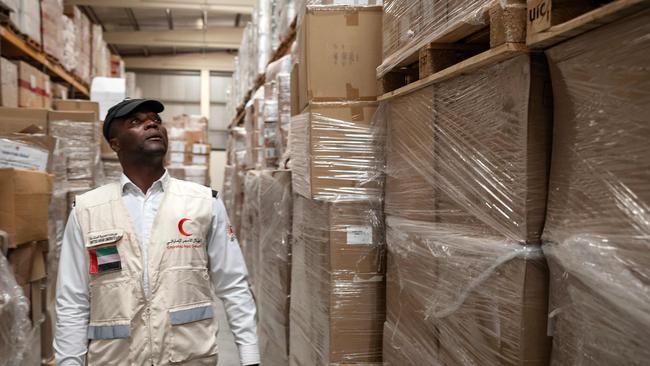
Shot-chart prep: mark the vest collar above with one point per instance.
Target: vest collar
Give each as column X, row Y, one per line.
column 162, row 182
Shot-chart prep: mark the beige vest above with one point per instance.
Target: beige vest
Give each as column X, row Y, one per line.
column 175, row 325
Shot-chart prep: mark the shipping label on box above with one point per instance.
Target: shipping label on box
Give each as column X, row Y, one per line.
column 14, row 154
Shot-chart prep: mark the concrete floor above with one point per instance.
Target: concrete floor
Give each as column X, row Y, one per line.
column 228, row 353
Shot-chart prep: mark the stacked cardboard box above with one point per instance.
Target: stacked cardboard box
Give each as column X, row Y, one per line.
column 274, row 270
column 250, row 227
column 33, row 87
column 254, row 126
column 337, row 289
column 277, row 109
column 233, row 192
column 8, row 83
column 82, row 42
column 79, row 139
column 188, row 156
column 52, row 29
column 100, row 55
column 596, row 225
column 466, row 167
column 28, row 19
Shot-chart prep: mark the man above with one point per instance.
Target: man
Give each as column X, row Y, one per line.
column 143, row 262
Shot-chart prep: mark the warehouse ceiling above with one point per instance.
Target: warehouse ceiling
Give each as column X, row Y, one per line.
column 136, row 28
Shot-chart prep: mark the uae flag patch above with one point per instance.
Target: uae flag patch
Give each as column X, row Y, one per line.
column 104, row 259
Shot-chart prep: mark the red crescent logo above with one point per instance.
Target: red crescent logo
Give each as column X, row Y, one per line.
column 180, row 227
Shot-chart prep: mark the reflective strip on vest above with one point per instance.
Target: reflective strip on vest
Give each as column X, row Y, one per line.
column 109, row 331
column 190, row 315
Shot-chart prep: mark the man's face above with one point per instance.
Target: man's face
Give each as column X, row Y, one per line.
column 140, row 133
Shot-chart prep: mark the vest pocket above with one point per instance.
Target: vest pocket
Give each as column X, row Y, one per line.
column 111, row 301
column 193, row 333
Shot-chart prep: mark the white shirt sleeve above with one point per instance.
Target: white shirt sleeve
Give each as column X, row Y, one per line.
column 72, row 300
column 229, row 275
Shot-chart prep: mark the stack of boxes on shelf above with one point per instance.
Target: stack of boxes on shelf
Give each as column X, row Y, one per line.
column 67, row 37
column 46, row 156
column 337, row 290
column 596, row 223
column 188, row 155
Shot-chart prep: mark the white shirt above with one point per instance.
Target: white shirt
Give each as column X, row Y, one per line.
column 226, row 263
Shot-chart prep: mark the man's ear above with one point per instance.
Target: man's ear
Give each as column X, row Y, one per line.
column 115, row 144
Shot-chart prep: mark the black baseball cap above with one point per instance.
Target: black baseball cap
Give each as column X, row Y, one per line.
column 126, row 107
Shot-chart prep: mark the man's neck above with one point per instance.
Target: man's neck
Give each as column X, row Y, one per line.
column 144, row 175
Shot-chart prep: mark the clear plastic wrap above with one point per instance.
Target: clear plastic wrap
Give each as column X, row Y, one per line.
column 249, row 239
column 274, row 271
column 29, row 19
column 112, row 170
column 334, row 151
column 466, row 166
column 474, row 150
column 82, row 47
column 70, row 50
column 337, row 282
column 254, row 125
column 454, row 299
column 410, row 25
column 52, row 19
column 15, row 325
column 80, row 144
column 598, row 216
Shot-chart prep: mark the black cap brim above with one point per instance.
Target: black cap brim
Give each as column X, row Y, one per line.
column 126, row 107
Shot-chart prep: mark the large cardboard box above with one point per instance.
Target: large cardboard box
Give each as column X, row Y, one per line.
column 89, row 106
column 8, row 83
column 409, row 157
column 334, row 151
column 459, row 300
column 25, row 195
column 338, row 52
column 274, row 271
column 337, row 283
column 480, row 143
column 52, row 27
column 18, row 119
column 31, row 86
column 596, row 222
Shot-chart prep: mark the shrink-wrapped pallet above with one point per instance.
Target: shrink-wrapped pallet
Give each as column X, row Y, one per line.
column 596, row 232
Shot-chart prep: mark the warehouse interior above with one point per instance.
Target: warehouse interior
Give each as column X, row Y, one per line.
column 403, row 182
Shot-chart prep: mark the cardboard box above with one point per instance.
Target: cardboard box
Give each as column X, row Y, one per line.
column 409, row 156
column 339, row 50
column 26, row 196
column 490, row 131
column 28, row 264
column 8, row 83
column 52, row 27
column 274, row 271
column 463, row 300
column 338, row 291
column 334, row 151
column 595, row 230
column 18, row 119
column 31, row 86
column 87, row 106
column 29, row 19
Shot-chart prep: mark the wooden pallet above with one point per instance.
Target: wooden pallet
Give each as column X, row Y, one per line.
column 506, row 27
column 490, row 57
column 548, row 25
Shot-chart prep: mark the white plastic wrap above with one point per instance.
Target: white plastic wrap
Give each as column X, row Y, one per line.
column 15, row 325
